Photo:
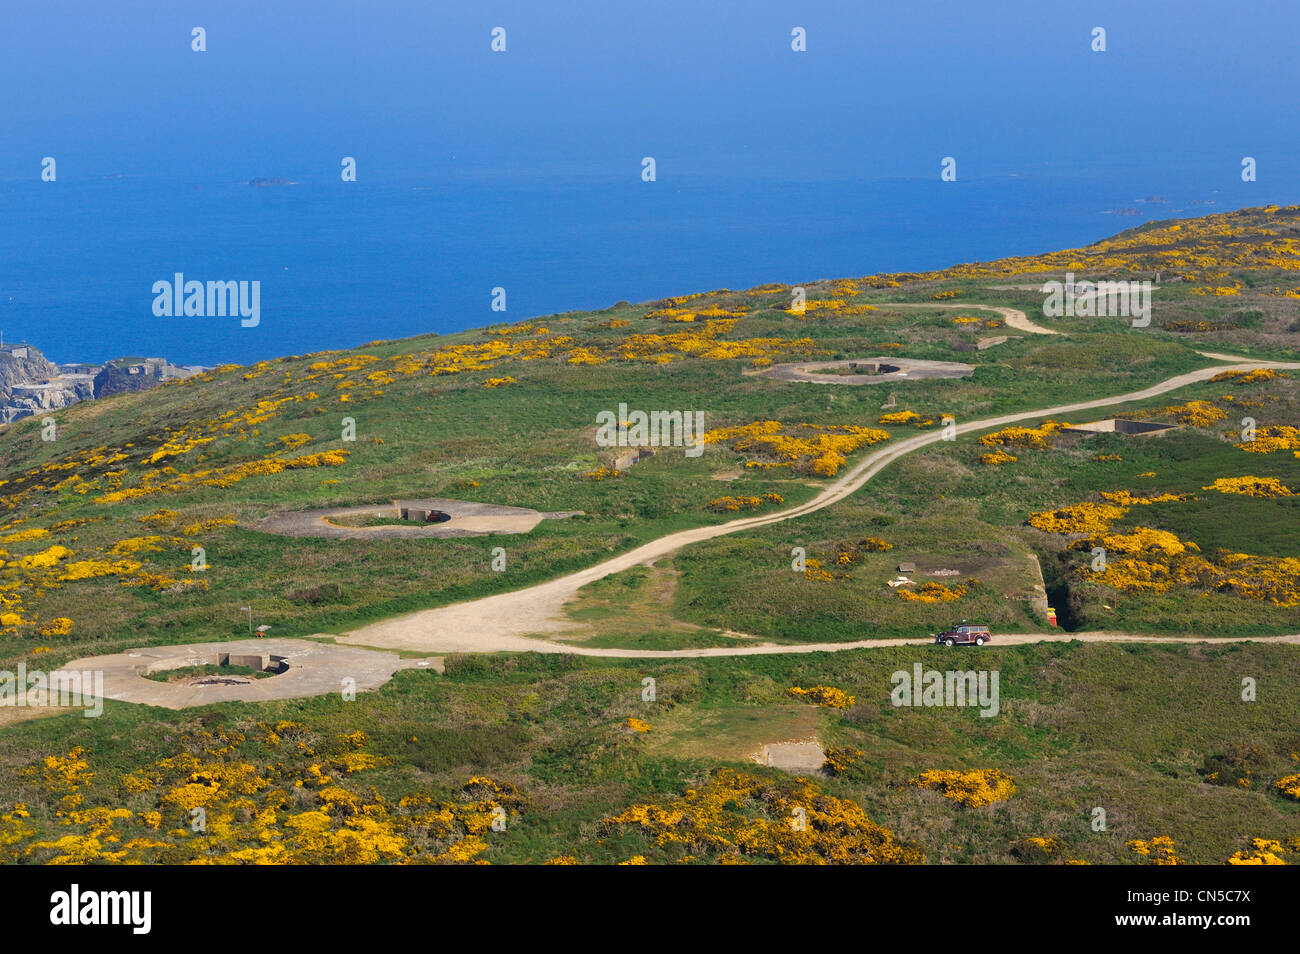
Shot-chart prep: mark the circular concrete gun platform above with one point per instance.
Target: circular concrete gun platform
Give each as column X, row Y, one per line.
column 295, row 668
column 879, row 370
column 425, row 517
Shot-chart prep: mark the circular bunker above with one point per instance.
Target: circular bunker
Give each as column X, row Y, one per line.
column 267, row 663
column 424, row 517
column 878, row 370
column 301, row 668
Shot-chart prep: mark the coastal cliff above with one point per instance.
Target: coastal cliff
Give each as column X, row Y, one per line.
column 31, row 384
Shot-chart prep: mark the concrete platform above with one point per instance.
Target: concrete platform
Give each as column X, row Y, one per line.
column 309, row 669
column 797, row 758
column 465, row 519
column 904, row 369
column 1118, row 425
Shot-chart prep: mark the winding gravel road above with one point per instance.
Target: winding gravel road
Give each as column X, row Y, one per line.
column 509, row 622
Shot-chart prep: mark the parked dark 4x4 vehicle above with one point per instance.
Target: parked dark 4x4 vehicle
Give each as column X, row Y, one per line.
column 964, row 634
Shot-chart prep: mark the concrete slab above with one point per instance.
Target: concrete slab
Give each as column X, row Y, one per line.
column 905, row 369
column 312, row 669
column 466, row 519
column 797, row 758
column 1118, row 425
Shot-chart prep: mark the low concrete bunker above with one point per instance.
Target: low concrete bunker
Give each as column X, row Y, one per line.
column 422, row 515
column 303, row 667
column 873, row 367
column 1119, row 425
column 419, row 517
column 258, row 662
column 876, row 370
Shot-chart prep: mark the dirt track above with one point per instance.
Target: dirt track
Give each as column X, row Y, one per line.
column 504, row 622
column 1015, row 318
column 1008, row 639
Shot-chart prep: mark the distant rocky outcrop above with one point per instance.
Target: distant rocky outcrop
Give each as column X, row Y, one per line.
column 23, row 364
column 136, row 374
column 32, row 384
column 29, row 383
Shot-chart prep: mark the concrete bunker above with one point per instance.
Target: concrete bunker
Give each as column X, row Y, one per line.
column 423, row 515
column 269, row 663
column 857, row 371
column 415, row 517
column 1119, row 425
column 306, row 667
column 873, row 367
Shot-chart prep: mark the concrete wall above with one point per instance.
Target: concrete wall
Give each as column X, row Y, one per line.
column 258, row 662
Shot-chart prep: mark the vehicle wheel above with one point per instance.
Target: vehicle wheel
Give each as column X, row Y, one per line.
column 948, row 641
column 979, row 641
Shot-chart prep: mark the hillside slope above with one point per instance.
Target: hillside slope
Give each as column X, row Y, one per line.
column 103, row 522
column 144, row 523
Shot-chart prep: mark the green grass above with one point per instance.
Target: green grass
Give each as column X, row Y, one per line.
column 1126, row 728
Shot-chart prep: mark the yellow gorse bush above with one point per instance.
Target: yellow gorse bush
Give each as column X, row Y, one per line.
column 850, row 554
column 1124, row 498
column 1270, row 579
column 906, row 417
column 823, row 696
column 932, row 592
column 839, row 759
column 251, row 815
column 1023, row 436
column 1160, row 850
column 22, row 536
column 59, row 626
column 1272, row 438
column 814, row 449
column 1254, row 376
column 1140, row 540
column 177, row 448
column 974, row 789
column 997, row 458
column 1196, row 413
column 1289, row 786
column 1251, row 486
column 1077, row 518
column 45, row 558
column 156, row 481
column 735, row 815
column 1263, row 851
column 732, row 504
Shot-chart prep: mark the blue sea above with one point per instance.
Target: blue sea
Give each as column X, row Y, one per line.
column 341, row 264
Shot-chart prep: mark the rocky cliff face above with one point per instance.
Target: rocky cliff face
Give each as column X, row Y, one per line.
column 16, row 370
column 135, row 374
column 29, row 384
